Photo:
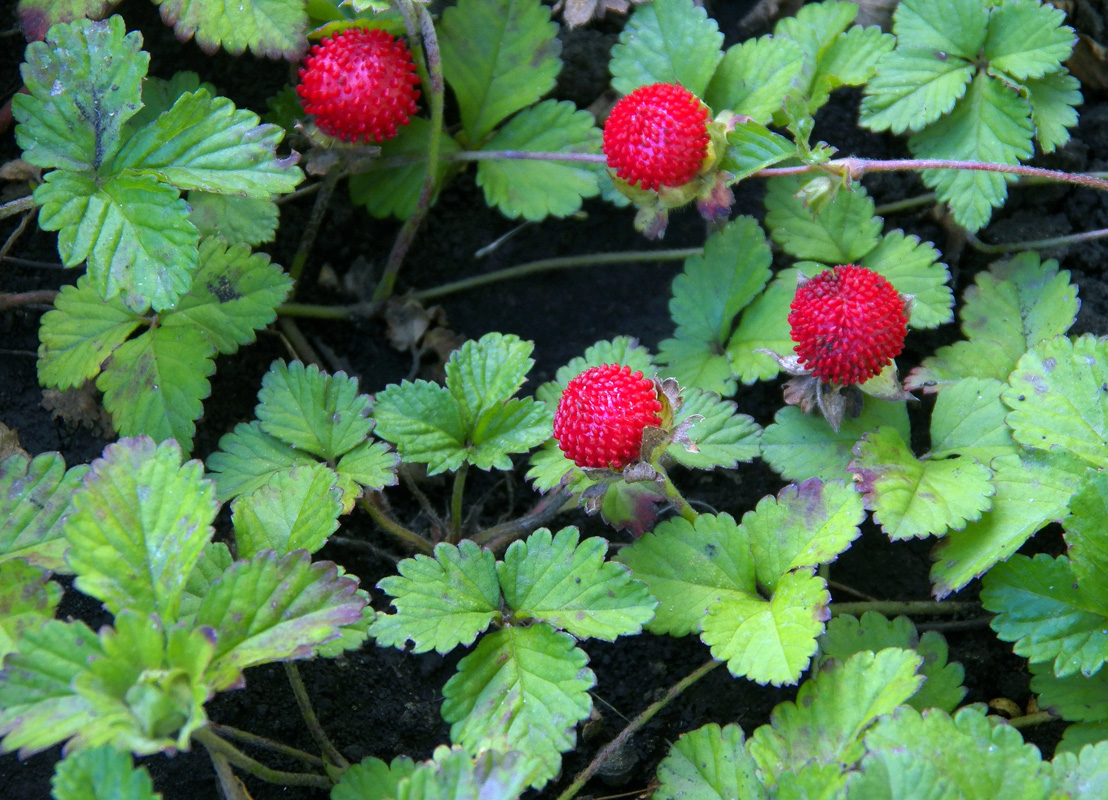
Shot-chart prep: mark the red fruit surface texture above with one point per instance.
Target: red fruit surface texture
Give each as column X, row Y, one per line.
column 847, row 322
column 657, row 136
column 359, row 85
column 602, row 414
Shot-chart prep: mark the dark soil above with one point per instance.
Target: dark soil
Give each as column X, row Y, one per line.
column 383, row 702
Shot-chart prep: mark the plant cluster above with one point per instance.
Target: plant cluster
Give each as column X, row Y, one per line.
column 160, row 189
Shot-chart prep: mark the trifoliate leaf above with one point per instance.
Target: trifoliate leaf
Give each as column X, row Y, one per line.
column 800, row 446
column 722, row 438
column 1052, row 99
column 980, row 760
column 1058, row 398
column 942, row 687
column 133, row 231
column 34, row 494
column 269, row 28
column 953, row 27
column 498, row 56
column 911, row 498
column 769, row 641
column 1027, row 40
column 535, row 190
column 424, row 422
column 371, row 464
column 968, row 420
column 313, row 411
column 690, row 566
column 841, row 233
column 752, row 146
column 1086, row 537
column 440, row 602
column 296, row 510
column 385, row 190
column 570, row 586
column 482, row 374
column 528, row 686
column 28, row 598
column 79, row 334
column 234, row 293
column 753, row 79
column 1030, row 492
column 101, row 773
column 764, row 325
column 670, row 41
column 84, row 83
column 1039, row 608
column 1074, row 697
column 138, row 525
column 832, row 711
column 912, row 89
column 153, row 385
column 205, row 143
column 990, row 123
column 38, row 705
column 372, row 779
column 239, row 220
column 913, row 267
column 275, row 609
column 805, row 525
column 1084, row 775
column 248, row 458
column 620, row 350
column 454, row 774
column 709, row 763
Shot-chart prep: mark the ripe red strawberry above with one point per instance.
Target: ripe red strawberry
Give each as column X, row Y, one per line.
column 359, row 85
column 847, row 322
column 657, row 136
column 602, row 414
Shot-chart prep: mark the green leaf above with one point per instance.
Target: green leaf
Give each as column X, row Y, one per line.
column 36, row 17
column 1027, row 39
column 528, row 686
column 898, row 775
column 1086, row 537
column 34, row 494
column 751, row 146
column 800, row 446
column 1030, row 492
column 267, row 609
column 754, row 77
column 805, row 525
column 1039, row 608
column 248, row 458
column 697, row 363
column 991, row 123
column 913, row 268
column 1058, row 398
column 1077, row 736
column 440, row 602
column 815, row 29
column 455, row 775
column 968, row 420
column 270, row 28
column 668, row 41
column 239, row 220
column 214, row 560
column 38, row 704
column 1082, row 775
column 102, row 773
column 954, row 27
column 764, row 325
column 424, row 422
column 79, row 334
column 833, row 710
column 1075, row 697
column 942, row 686
column 722, row 438
column 850, row 60
column 138, row 525
column 159, row 95
column 690, row 566
column 234, row 293
column 1052, row 99
column 370, row 464
column 911, row 498
column 28, row 598
column 620, row 350
column 769, row 641
column 372, row 779
column 570, row 586
column 395, row 190
column 313, row 411
column 912, row 89
column 205, row 143
column 709, row 763
column 498, row 56
column 154, row 384
column 535, row 190
column 133, row 231
column 841, row 233
column 84, row 83
column 481, row 374
column 296, row 510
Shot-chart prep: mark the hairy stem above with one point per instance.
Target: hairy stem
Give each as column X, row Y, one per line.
column 673, row 494
column 229, row 784
column 633, row 727
column 292, row 672
column 456, row 502
column 385, row 520
column 17, row 206
column 45, row 296
column 229, row 732
column 500, row 536
column 1036, row 244
column 893, row 608
column 315, row 221
column 221, row 747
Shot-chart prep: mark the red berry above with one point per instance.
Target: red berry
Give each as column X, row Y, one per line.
column 847, row 322
column 602, row 414
column 657, row 136
column 359, row 85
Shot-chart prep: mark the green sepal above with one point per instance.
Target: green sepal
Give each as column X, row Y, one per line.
column 34, row 496
column 668, row 41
